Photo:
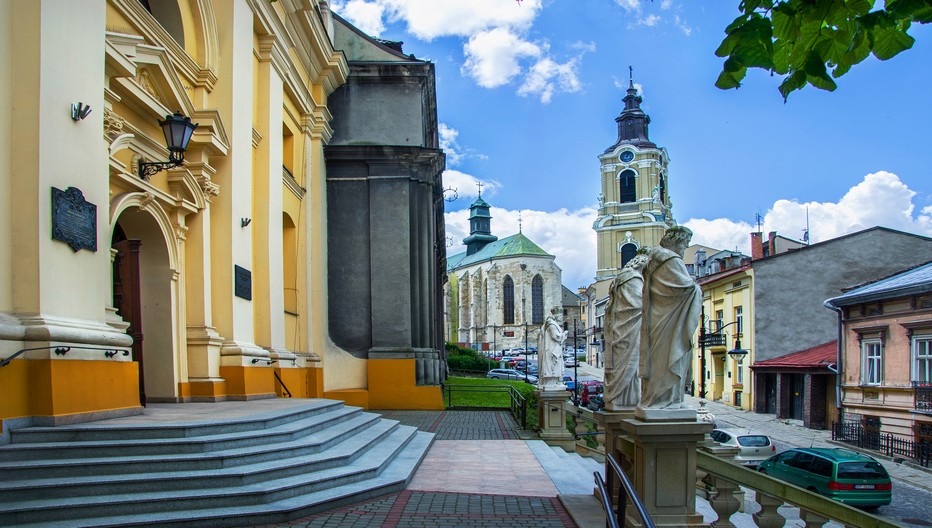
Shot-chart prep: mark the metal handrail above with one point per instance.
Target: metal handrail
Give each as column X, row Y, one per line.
column 614, row 516
column 285, row 390
column 517, row 402
column 62, row 350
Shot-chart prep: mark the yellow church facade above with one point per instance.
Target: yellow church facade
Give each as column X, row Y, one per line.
column 123, row 281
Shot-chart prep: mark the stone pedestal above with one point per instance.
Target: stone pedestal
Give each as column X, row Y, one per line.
column 552, row 419
column 660, row 460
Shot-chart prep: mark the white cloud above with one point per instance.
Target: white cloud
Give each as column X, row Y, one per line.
column 567, row 235
column 682, row 25
column 881, row 199
column 492, row 56
column 448, row 144
column 666, row 4
column 497, row 50
column 547, row 75
column 650, row 20
column 630, row 5
column 467, row 185
column 367, row 16
column 430, row 19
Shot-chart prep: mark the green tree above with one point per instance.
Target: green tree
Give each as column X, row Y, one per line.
column 815, row 41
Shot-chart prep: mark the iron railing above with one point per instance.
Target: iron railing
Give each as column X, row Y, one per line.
column 615, row 513
column 856, row 434
column 109, row 352
column 517, row 403
column 285, row 391
column 923, row 396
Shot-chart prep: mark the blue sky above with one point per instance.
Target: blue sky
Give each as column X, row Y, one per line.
column 528, row 92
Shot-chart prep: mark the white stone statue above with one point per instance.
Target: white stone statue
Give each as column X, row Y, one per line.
column 671, row 305
column 551, row 353
column 623, row 336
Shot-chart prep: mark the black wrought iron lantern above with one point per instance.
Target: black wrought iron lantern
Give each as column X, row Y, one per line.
column 738, row 353
column 178, row 130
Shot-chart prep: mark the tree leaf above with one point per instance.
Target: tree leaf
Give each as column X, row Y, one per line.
column 889, row 41
column 728, row 80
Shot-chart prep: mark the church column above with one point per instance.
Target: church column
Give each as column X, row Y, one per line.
column 231, row 244
column 203, row 341
column 268, row 291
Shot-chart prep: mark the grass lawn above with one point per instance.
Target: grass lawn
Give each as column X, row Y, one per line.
column 464, row 398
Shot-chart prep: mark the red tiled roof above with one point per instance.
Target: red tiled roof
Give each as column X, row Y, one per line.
column 815, row 357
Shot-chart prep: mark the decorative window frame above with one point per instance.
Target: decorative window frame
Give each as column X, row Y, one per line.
column 919, row 332
column 867, row 346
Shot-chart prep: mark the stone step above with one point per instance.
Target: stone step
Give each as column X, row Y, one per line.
column 301, row 459
column 565, row 470
column 85, row 511
column 392, row 479
column 238, row 456
column 282, row 432
column 106, row 430
column 586, row 464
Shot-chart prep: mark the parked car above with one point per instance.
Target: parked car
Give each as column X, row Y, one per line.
column 569, row 382
column 511, row 374
column 753, row 448
column 569, row 361
column 589, row 389
column 840, row 474
column 596, row 402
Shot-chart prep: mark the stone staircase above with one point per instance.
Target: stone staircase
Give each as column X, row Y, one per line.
column 250, row 470
column 570, row 472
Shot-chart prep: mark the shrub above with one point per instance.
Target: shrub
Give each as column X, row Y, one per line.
column 465, row 362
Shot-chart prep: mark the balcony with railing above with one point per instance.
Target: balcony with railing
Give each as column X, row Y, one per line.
column 923, row 396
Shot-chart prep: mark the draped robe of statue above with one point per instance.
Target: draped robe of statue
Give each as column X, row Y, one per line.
column 672, row 302
column 623, row 337
column 551, row 355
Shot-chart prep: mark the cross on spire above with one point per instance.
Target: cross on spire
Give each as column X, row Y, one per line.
column 480, row 189
column 519, row 221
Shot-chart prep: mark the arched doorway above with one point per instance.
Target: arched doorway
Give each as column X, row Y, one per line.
column 142, row 295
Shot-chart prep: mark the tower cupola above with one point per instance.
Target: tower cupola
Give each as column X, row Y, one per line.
column 632, row 122
column 480, row 226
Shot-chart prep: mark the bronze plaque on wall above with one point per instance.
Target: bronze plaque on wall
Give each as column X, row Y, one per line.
column 242, row 282
column 74, row 219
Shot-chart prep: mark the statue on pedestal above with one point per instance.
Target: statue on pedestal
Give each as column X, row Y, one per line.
column 671, row 305
column 551, row 353
column 623, row 336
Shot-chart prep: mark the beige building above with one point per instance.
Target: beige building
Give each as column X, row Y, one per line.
column 125, row 281
column 886, row 355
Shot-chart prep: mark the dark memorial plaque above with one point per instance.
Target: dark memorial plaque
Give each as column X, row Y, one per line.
column 242, row 283
column 74, row 219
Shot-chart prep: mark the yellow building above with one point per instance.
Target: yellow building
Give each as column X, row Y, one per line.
column 728, row 320
column 634, row 204
column 201, row 282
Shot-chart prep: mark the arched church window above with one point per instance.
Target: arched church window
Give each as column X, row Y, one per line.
column 508, row 298
column 627, row 183
column 628, row 251
column 168, row 15
column 537, row 300
column 663, row 189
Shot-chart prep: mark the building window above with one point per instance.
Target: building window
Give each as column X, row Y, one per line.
column 720, row 320
column 739, row 375
column 628, row 192
column 871, row 371
column 537, row 300
column 508, row 296
column 739, row 320
column 922, row 359
column 628, row 251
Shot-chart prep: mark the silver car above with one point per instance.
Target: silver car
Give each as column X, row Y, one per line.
column 511, row 374
column 753, row 448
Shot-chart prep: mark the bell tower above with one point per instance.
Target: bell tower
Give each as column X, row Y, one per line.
column 634, row 205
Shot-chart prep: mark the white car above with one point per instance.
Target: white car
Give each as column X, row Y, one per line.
column 753, row 448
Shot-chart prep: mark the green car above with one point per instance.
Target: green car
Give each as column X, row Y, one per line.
column 840, row 474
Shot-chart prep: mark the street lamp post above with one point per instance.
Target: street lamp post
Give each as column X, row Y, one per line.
column 575, row 366
column 712, row 338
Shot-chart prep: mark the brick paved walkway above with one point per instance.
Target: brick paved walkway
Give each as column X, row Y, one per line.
column 420, row 509
column 460, row 425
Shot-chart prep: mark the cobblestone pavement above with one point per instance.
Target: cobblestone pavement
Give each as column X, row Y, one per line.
column 416, row 509
column 460, row 425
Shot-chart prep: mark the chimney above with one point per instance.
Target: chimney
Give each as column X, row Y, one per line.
column 757, row 246
column 772, row 243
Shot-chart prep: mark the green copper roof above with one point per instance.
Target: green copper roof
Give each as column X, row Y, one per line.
column 513, row 246
column 479, row 203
